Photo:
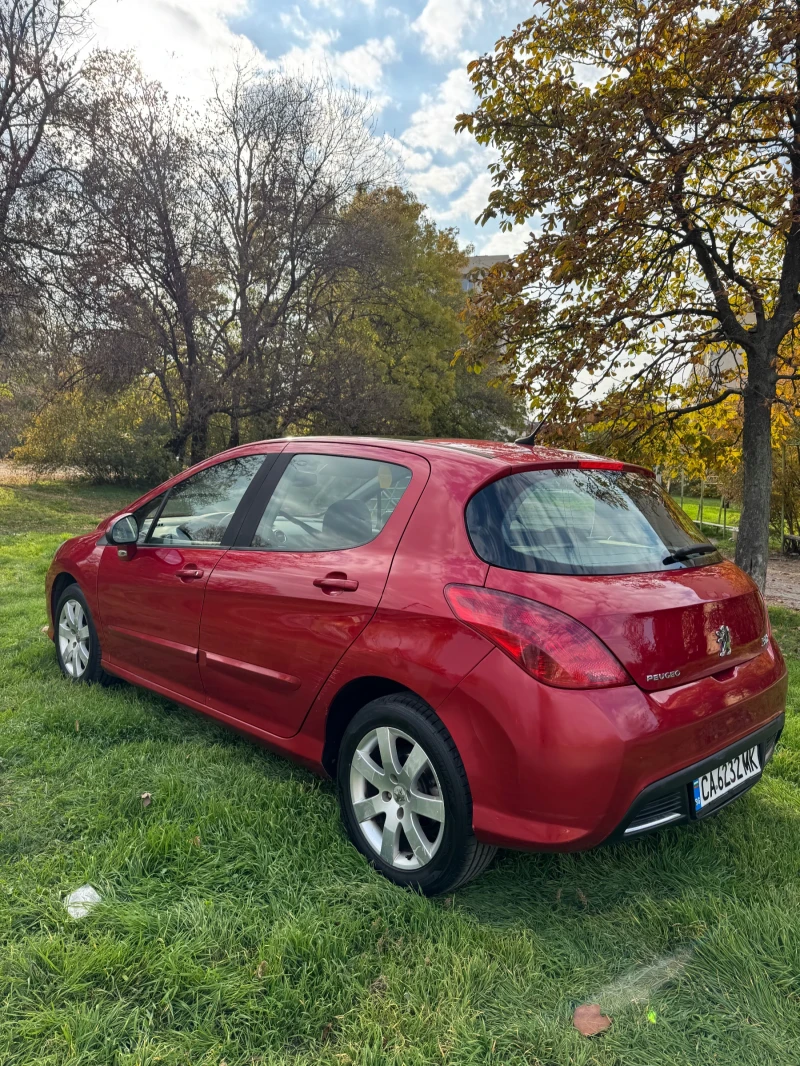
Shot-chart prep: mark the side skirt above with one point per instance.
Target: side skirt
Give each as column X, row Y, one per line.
column 299, row 748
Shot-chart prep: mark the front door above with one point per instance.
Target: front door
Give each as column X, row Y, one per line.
column 285, row 603
column 151, row 593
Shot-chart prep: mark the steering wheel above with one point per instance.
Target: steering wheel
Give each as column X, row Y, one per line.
column 298, row 522
column 185, row 531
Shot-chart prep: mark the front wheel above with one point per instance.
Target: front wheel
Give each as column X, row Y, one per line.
column 405, row 799
column 77, row 644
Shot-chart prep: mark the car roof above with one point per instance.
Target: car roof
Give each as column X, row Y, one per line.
column 496, row 452
column 488, row 458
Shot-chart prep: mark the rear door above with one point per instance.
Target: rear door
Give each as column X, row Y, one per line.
column 304, row 578
column 151, row 594
column 597, row 544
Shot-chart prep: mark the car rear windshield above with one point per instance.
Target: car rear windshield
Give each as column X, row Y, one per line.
column 581, row 521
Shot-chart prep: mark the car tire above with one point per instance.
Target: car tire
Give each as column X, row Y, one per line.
column 411, row 819
column 77, row 643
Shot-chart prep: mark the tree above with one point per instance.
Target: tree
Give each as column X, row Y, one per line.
column 283, row 161
column 388, row 366
column 37, row 75
column 211, row 248
column 659, row 145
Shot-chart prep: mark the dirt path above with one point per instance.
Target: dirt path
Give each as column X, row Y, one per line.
column 783, row 580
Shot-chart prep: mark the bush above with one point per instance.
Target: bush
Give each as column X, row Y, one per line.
column 106, row 438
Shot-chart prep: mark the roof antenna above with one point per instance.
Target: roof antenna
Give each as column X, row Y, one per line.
column 531, row 437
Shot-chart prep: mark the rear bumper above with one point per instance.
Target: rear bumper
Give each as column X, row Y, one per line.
column 558, row 770
column 669, row 801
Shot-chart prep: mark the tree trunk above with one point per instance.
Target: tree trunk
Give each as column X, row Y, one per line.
column 199, row 440
column 234, row 437
column 752, row 543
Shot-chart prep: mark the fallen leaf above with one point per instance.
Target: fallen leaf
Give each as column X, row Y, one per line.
column 261, row 969
column 326, row 1032
column 449, row 901
column 582, row 897
column 652, row 1017
column 146, row 798
column 427, row 960
column 196, row 841
column 77, row 726
column 378, row 986
column 44, row 629
column 588, row 1020
column 558, row 895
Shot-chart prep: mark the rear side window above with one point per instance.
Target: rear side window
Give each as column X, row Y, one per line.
column 330, row 502
column 580, row 521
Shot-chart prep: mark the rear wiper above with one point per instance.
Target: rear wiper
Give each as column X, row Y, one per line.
column 686, row 553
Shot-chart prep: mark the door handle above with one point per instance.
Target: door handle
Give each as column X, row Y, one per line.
column 189, row 573
column 335, row 583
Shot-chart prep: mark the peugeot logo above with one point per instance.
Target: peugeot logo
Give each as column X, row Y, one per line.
column 723, row 635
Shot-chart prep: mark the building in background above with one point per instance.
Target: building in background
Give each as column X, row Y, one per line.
column 476, row 269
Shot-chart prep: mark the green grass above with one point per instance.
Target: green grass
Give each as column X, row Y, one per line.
column 239, row 926
column 711, row 510
column 58, row 506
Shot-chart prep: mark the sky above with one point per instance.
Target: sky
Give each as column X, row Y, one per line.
column 410, row 56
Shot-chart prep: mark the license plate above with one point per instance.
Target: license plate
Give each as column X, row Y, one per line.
column 726, row 778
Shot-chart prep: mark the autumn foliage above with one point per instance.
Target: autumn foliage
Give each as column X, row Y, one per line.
column 655, row 149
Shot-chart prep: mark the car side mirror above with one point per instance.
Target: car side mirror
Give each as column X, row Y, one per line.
column 124, row 531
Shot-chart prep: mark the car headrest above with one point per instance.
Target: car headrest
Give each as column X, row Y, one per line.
column 349, row 521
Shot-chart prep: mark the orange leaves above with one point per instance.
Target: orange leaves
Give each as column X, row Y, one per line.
column 589, row 1021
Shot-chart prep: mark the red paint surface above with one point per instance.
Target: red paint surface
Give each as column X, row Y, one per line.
column 257, row 644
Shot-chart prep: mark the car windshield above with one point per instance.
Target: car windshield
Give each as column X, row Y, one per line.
column 581, row 521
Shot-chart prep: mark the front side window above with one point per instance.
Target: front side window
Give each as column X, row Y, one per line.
column 330, row 502
column 580, row 521
column 145, row 515
column 198, row 510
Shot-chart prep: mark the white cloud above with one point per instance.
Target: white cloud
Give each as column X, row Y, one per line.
column 442, row 180
column 299, row 26
column 409, row 159
column 361, row 67
column 431, row 125
column 473, row 200
column 177, row 41
column 442, row 24
column 336, row 7
column 504, row 243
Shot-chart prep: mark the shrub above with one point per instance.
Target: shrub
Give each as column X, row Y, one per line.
column 106, row 438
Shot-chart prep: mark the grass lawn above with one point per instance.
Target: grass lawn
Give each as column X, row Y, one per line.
column 711, row 509
column 238, row 926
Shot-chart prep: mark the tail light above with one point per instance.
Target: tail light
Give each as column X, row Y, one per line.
column 548, row 644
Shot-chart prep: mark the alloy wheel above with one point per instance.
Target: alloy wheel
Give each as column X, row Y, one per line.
column 396, row 798
column 74, row 639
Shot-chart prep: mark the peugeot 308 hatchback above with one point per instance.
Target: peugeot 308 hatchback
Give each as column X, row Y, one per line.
column 484, row 644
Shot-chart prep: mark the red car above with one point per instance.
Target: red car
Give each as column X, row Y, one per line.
column 484, row 644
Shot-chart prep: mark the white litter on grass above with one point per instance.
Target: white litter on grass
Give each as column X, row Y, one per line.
column 81, row 901
column 638, row 985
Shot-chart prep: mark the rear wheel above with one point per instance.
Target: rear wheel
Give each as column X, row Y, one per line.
column 405, row 799
column 77, row 644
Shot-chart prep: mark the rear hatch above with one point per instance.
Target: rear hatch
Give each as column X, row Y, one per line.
column 599, row 544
